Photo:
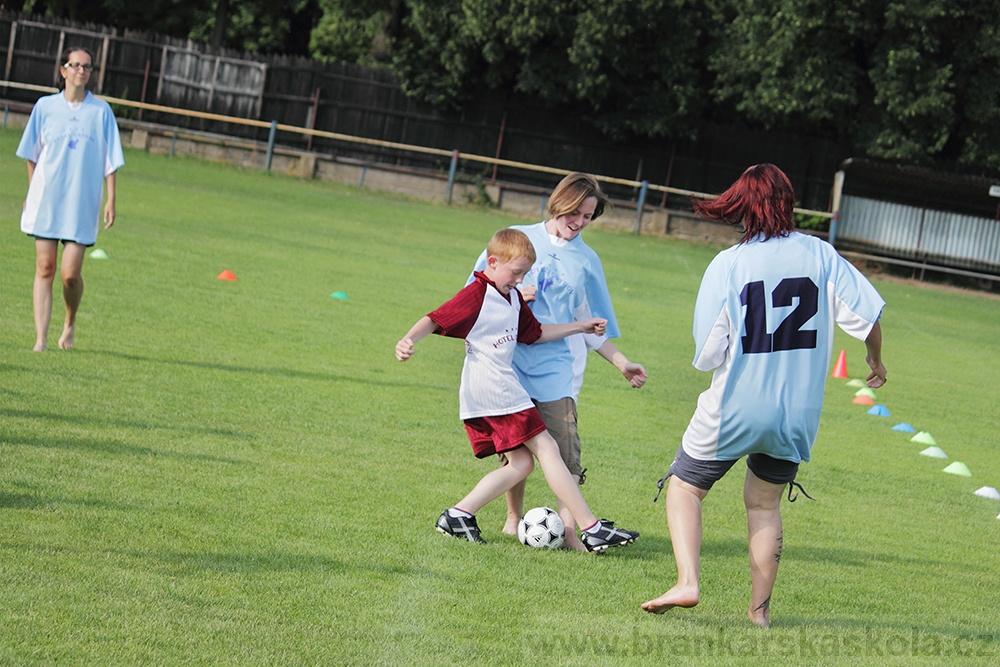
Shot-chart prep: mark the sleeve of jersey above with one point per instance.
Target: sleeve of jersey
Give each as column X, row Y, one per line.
column 599, row 299
column 856, row 303
column 115, row 159
column 457, row 316
column 30, row 147
column 529, row 329
column 711, row 320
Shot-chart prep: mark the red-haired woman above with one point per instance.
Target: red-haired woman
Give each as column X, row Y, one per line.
column 764, row 323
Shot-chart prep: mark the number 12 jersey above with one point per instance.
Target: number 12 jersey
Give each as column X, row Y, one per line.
column 764, row 321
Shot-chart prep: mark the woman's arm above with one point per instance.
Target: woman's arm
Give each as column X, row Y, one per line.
column 109, row 206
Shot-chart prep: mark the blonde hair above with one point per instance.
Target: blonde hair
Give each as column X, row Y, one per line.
column 510, row 244
column 571, row 192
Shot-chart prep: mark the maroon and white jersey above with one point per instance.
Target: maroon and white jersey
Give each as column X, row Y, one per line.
column 492, row 325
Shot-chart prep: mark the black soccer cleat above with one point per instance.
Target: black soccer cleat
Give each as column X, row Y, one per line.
column 460, row 527
column 607, row 535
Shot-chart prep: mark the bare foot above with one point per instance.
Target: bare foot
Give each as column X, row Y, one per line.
column 677, row 596
column 573, row 543
column 510, row 528
column 39, row 346
column 66, row 340
column 761, row 615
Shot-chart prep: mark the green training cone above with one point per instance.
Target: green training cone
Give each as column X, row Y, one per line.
column 924, row 438
column 339, row 295
column 856, row 383
column 865, row 392
column 97, row 253
column 934, row 452
column 959, row 468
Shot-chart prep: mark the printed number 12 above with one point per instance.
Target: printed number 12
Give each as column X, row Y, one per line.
column 789, row 335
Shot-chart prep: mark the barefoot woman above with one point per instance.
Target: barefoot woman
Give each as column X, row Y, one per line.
column 72, row 146
column 764, row 322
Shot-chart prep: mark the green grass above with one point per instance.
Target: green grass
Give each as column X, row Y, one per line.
column 241, row 473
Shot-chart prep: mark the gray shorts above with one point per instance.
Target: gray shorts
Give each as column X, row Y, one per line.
column 560, row 421
column 703, row 474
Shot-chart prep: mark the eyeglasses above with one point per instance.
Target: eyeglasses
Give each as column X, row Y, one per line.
column 85, row 68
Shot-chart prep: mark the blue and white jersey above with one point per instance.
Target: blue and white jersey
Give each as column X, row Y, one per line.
column 74, row 147
column 764, row 321
column 571, row 287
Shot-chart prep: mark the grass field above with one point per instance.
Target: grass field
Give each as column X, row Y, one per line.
column 241, row 473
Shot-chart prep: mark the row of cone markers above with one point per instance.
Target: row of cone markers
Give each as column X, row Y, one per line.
column 865, row 396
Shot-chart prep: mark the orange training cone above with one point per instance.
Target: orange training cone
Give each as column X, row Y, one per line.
column 226, row 275
column 840, row 370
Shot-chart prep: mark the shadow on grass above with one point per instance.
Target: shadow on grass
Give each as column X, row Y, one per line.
column 27, row 501
column 658, row 546
column 126, row 423
column 274, row 371
column 114, row 447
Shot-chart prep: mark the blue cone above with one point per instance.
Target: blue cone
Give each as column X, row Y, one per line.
column 879, row 410
column 904, row 427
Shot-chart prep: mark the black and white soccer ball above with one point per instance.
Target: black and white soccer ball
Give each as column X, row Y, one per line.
column 541, row 528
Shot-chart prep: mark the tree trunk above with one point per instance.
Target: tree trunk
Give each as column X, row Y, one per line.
column 221, row 22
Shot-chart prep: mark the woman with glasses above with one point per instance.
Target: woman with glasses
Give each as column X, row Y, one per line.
column 72, row 147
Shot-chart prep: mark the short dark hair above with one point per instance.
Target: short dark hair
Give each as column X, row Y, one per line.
column 761, row 200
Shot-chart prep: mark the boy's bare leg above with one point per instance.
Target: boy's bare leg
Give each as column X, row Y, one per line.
column 41, row 291
column 763, row 503
column 515, row 508
column 571, row 541
column 72, row 278
column 684, row 523
column 559, row 479
column 499, row 481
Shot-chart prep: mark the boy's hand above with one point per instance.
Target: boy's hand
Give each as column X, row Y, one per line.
column 595, row 325
column 404, row 349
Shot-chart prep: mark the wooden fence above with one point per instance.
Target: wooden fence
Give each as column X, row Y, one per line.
column 351, row 100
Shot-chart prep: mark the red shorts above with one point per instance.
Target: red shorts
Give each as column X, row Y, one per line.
column 491, row 435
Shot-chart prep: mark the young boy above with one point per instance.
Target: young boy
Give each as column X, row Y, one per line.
column 491, row 316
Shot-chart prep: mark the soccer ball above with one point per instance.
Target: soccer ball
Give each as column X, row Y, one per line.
column 541, row 528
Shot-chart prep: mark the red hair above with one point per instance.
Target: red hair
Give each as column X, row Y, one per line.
column 761, row 200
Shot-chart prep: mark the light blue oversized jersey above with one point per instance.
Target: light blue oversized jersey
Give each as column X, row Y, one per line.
column 571, row 287
column 764, row 321
column 73, row 151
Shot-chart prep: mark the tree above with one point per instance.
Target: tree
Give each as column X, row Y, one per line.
column 916, row 81
column 634, row 66
column 355, row 31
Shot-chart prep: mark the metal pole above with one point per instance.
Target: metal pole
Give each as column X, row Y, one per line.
column 173, row 142
column 838, row 189
column 451, row 175
column 642, row 203
column 270, row 145
column 145, row 83
column 312, row 119
column 503, row 126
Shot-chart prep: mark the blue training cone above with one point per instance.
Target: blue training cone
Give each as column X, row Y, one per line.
column 904, row 427
column 879, row 410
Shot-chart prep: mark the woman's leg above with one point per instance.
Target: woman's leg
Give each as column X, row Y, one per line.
column 684, row 523
column 72, row 279
column 46, row 251
column 496, row 483
column 763, row 503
